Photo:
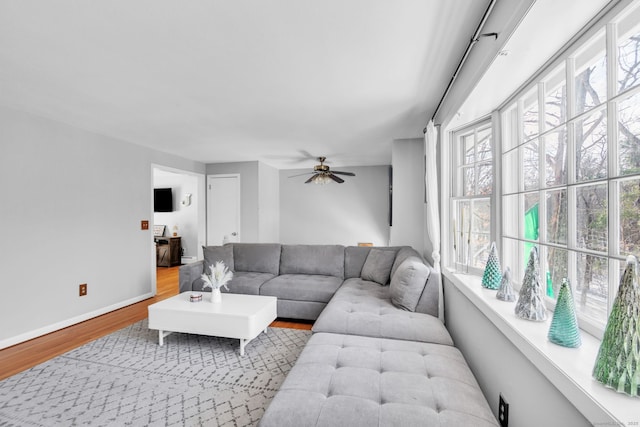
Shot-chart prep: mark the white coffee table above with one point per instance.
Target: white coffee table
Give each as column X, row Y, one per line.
column 237, row 316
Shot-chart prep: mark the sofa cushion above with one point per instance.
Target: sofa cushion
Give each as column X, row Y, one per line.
column 354, row 258
column 377, row 267
column 361, row 307
column 404, row 253
column 213, row 254
column 325, row 260
column 248, row 282
column 361, row 381
column 257, row 257
column 408, row 283
column 302, row 287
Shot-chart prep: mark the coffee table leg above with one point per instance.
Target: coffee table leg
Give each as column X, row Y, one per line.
column 161, row 335
column 243, row 343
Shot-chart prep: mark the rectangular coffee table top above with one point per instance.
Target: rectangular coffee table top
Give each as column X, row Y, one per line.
column 236, row 316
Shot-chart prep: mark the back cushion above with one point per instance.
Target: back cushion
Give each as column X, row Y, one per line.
column 354, row 258
column 327, row 260
column 213, row 254
column 408, row 282
column 257, row 257
column 404, row 253
column 377, row 267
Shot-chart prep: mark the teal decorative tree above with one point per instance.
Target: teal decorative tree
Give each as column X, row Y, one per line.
column 492, row 271
column 618, row 362
column 530, row 305
column 505, row 291
column 564, row 329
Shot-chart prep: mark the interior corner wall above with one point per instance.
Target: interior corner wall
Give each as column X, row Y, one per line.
column 249, row 191
column 349, row 213
column 71, row 210
column 268, row 204
column 500, row 367
column 407, row 159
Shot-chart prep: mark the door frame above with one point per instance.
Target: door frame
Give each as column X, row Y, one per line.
column 238, row 206
column 199, row 200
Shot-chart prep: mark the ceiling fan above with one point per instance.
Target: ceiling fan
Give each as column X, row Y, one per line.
column 322, row 174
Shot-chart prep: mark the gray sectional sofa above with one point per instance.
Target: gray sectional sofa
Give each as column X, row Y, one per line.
column 379, row 354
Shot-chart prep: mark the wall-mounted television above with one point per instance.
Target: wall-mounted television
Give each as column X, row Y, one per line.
column 162, row 200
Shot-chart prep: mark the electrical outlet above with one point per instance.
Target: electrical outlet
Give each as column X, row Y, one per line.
column 83, row 289
column 144, row 224
column 503, row 412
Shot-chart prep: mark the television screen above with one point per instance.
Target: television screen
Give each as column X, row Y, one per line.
column 162, row 200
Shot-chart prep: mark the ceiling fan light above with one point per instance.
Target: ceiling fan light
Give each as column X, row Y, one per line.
column 321, row 179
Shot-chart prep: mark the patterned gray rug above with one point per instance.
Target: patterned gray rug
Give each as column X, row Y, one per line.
column 127, row 379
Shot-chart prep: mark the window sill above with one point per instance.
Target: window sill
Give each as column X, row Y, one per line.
column 568, row 369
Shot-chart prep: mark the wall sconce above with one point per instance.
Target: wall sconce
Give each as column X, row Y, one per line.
column 186, row 201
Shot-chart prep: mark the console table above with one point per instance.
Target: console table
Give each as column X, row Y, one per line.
column 168, row 251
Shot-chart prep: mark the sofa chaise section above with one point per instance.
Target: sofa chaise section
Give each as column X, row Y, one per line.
column 364, row 307
column 361, row 307
column 347, row 380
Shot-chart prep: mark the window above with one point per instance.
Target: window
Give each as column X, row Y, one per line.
column 571, row 171
column 471, row 202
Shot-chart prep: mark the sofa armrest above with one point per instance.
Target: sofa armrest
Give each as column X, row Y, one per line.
column 188, row 273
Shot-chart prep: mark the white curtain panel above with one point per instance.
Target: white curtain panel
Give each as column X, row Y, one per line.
column 433, row 213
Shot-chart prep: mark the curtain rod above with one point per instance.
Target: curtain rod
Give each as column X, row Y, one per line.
column 472, row 42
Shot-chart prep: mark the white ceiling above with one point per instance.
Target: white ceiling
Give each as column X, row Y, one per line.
column 547, row 27
column 218, row 81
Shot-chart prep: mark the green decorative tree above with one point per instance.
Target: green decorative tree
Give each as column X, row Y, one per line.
column 505, row 291
column 530, row 305
column 618, row 362
column 564, row 329
column 492, row 271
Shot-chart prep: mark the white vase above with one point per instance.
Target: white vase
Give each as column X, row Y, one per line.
column 216, row 296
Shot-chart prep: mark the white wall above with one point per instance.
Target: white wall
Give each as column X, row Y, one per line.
column 407, row 158
column 268, row 204
column 71, row 207
column 500, row 367
column 185, row 217
column 348, row 213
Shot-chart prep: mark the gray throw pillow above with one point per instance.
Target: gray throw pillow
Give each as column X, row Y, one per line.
column 407, row 283
column 377, row 266
column 213, row 254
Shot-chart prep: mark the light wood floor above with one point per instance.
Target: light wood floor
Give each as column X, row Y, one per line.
column 30, row 353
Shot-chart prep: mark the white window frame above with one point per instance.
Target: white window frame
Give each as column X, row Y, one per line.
column 512, row 222
column 459, row 257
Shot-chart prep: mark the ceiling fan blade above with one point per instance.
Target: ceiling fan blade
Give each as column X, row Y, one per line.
column 343, row 173
column 311, row 179
column 336, row 178
column 300, row 174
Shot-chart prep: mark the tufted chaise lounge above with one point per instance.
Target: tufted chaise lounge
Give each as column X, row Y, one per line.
column 347, row 380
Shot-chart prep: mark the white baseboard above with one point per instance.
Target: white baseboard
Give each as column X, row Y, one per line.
column 69, row 322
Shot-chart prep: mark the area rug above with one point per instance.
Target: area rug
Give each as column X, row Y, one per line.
column 127, row 379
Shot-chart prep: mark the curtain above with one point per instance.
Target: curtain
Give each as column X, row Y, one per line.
column 433, row 213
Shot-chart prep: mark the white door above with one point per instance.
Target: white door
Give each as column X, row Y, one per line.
column 223, row 209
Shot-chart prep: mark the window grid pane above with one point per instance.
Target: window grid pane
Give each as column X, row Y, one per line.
column 591, row 147
column 592, row 217
column 629, row 191
column 555, row 145
column 629, row 135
